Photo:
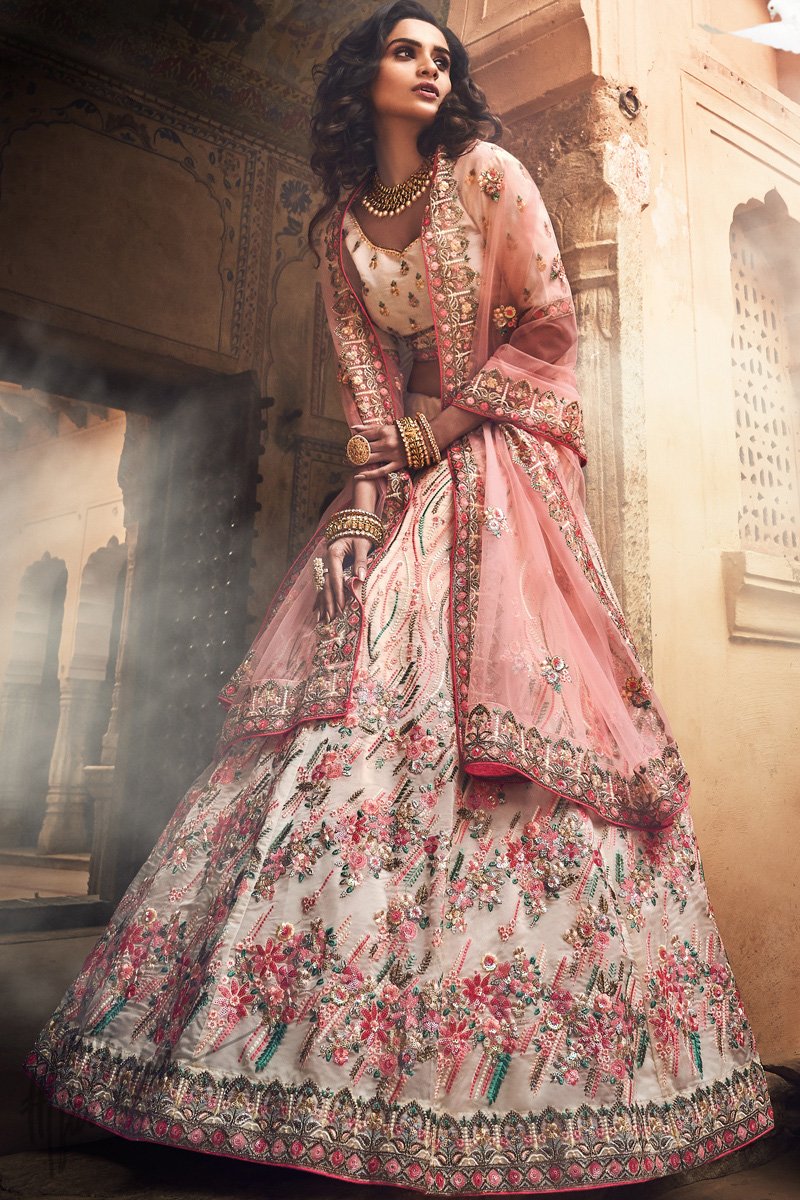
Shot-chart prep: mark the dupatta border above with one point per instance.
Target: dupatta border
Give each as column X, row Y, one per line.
column 452, row 282
column 543, row 478
column 492, row 741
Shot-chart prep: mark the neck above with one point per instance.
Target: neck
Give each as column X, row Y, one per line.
column 396, row 153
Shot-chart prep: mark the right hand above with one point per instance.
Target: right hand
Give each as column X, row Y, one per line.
column 331, row 600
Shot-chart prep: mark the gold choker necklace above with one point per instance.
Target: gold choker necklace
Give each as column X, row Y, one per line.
column 383, row 201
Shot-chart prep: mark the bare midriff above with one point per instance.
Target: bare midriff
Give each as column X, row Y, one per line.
column 425, row 377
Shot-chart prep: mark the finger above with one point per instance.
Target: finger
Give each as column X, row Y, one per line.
column 327, row 603
column 379, row 472
column 370, row 432
column 361, row 546
column 337, row 582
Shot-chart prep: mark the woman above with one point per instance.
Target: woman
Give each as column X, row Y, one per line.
column 435, row 916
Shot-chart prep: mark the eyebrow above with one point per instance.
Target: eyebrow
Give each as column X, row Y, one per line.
column 411, row 42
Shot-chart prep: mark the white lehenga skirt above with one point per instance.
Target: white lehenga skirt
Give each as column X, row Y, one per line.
column 341, row 955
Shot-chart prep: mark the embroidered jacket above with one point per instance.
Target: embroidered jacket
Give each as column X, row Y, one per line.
column 547, row 681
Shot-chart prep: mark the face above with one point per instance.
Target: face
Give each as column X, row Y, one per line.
column 414, row 73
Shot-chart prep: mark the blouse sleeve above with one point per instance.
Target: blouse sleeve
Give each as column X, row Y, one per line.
column 368, row 372
column 527, row 322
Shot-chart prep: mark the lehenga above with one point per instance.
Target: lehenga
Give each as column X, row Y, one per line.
column 346, row 954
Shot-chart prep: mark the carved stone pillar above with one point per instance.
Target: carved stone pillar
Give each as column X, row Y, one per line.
column 65, row 825
column 23, row 777
column 99, row 778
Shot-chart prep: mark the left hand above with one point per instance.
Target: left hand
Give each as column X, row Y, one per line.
column 387, row 452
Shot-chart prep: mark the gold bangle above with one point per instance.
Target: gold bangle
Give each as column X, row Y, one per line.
column 402, row 429
column 355, row 522
column 411, row 436
column 427, row 431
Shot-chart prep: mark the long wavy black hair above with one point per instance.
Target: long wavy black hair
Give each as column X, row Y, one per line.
column 342, row 133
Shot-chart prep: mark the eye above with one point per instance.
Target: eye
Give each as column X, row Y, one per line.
column 403, row 50
column 442, row 63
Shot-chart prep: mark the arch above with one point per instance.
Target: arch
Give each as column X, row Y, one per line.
column 100, row 583
column 36, row 633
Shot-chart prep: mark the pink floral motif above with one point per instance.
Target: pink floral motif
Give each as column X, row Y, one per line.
column 637, row 691
column 556, row 672
column 495, row 521
column 490, row 181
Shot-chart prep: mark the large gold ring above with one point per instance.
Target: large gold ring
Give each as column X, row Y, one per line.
column 320, row 571
column 357, row 450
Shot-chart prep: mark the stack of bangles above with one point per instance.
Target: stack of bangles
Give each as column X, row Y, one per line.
column 355, row 522
column 417, row 438
column 418, row 441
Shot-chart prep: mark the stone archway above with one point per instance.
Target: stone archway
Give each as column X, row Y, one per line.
column 29, row 703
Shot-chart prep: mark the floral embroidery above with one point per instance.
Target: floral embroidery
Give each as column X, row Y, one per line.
column 541, row 264
column 490, row 181
column 320, row 914
column 521, row 204
column 557, row 270
column 637, row 691
column 495, row 521
column 505, row 316
column 556, row 672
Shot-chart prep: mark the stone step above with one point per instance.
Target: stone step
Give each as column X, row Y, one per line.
column 29, row 856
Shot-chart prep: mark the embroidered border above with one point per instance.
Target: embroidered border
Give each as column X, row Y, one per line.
column 451, row 280
column 411, row 1145
column 497, row 395
column 465, row 562
column 649, row 798
column 531, row 456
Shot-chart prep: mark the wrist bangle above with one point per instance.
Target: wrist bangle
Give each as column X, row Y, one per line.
column 355, row 522
column 427, row 432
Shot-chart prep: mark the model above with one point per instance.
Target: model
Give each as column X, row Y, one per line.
column 435, row 915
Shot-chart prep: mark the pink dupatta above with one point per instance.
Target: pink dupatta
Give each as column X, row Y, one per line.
column 547, row 681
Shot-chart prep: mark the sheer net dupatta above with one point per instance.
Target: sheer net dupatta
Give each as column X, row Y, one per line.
column 548, row 681
column 296, row 669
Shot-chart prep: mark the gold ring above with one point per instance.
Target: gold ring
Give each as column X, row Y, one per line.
column 357, row 450
column 320, row 571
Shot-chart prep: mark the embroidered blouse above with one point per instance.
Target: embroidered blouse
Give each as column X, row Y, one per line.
column 395, row 291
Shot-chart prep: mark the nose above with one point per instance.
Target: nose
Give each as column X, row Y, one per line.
column 428, row 67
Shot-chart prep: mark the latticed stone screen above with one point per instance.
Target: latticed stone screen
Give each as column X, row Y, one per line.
column 767, row 420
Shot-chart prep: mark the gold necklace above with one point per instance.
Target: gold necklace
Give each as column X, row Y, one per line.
column 383, row 201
